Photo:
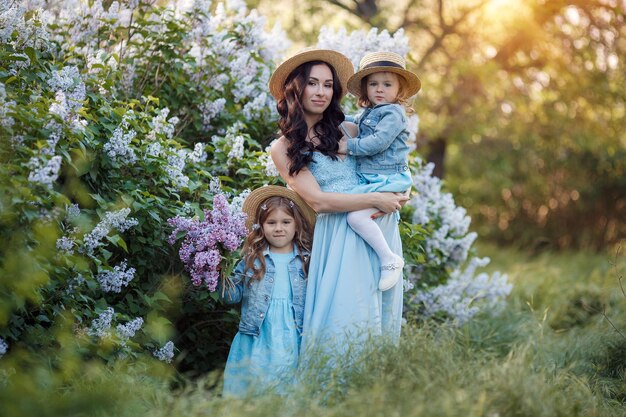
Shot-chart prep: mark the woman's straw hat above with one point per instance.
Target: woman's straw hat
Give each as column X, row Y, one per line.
column 387, row 62
column 342, row 65
column 257, row 197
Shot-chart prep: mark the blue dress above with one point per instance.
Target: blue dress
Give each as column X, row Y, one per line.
column 343, row 305
column 267, row 362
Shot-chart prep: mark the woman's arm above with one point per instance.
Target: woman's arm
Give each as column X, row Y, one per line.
column 305, row 184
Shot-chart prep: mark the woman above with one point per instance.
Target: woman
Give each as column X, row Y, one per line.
column 343, row 303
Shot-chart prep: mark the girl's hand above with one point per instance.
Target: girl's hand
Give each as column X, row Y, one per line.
column 343, row 146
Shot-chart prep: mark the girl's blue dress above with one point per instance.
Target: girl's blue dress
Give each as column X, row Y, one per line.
column 267, row 362
column 343, row 304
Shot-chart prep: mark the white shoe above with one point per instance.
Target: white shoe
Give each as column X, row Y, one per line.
column 390, row 274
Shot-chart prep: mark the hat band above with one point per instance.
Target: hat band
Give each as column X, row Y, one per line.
column 382, row 64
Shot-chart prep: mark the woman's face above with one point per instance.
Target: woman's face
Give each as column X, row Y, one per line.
column 318, row 91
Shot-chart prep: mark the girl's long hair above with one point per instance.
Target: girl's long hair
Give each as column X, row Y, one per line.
column 293, row 126
column 256, row 242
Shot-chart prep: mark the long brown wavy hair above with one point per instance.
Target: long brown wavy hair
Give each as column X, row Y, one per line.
column 293, row 126
column 256, row 242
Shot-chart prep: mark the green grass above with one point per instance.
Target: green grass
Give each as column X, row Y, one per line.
column 550, row 352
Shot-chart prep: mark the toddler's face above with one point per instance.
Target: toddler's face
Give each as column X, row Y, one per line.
column 383, row 87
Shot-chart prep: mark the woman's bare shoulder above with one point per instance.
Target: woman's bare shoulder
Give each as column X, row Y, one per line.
column 279, row 146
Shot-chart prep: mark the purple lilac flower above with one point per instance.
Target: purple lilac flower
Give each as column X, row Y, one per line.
column 208, row 242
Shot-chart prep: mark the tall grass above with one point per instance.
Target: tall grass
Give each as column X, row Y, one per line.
column 550, row 352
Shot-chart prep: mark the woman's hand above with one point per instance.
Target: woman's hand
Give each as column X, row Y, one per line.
column 390, row 202
column 395, row 201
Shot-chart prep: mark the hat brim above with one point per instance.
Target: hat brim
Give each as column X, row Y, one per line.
column 413, row 83
column 254, row 200
column 342, row 65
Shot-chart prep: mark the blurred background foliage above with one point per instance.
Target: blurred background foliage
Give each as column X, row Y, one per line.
column 522, row 106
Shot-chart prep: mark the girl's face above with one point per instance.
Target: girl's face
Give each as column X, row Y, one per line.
column 383, row 87
column 318, row 92
column 279, row 230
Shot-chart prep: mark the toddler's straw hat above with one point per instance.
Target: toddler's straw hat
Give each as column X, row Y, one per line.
column 342, row 65
column 257, row 197
column 383, row 61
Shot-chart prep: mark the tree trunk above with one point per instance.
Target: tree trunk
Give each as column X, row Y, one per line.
column 437, row 156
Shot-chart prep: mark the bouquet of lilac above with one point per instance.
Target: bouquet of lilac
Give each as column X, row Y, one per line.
column 209, row 245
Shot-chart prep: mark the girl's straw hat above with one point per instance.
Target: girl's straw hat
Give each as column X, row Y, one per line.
column 387, row 62
column 342, row 65
column 257, row 197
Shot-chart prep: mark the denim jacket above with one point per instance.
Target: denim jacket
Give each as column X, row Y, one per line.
column 255, row 295
column 381, row 146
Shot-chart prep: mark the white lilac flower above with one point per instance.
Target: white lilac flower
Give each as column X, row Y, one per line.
column 128, row 330
column 3, row 347
column 450, row 241
column 268, row 163
column 44, row 171
column 74, row 283
column 64, row 79
column 59, row 105
column 66, row 245
column 5, row 107
column 237, row 148
column 162, row 126
column 18, row 64
column 101, row 325
column 257, row 106
column 175, row 166
column 154, row 150
column 17, row 140
column 236, row 205
column 464, row 294
column 119, row 149
column 72, row 211
column 31, row 33
column 357, row 43
column 413, row 127
column 198, row 154
column 112, row 220
column 166, row 353
column 56, row 131
column 210, row 109
column 215, row 185
column 113, row 281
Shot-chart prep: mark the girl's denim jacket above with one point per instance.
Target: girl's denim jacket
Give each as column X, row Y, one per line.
column 381, row 146
column 255, row 294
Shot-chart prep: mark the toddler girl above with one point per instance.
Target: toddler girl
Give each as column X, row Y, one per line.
column 270, row 283
column 383, row 86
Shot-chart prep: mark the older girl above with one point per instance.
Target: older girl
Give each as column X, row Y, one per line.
column 270, row 283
